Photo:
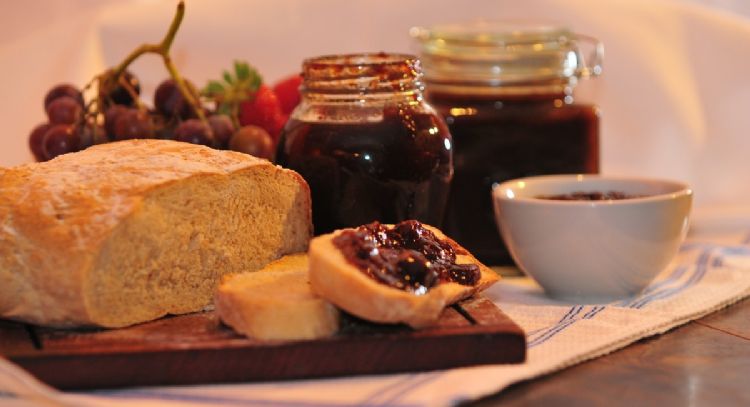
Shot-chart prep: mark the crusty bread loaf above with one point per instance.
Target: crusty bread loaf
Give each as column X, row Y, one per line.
column 338, row 281
column 127, row 232
column 276, row 303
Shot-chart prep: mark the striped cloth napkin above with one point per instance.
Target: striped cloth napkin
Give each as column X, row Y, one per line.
column 709, row 273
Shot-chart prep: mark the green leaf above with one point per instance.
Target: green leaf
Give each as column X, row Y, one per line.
column 257, row 81
column 228, row 78
column 213, row 88
column 241, row 70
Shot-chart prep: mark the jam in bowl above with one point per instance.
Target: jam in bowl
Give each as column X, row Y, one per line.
column 592, row 249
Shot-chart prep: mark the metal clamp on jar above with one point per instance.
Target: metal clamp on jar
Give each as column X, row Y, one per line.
column 506, row 92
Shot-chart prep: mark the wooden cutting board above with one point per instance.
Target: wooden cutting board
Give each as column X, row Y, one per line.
column 197, row 348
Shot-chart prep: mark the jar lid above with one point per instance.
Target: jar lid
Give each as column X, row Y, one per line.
column 506, row 54
column 365, row 72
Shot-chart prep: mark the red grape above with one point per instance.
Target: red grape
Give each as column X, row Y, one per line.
column 110, row 118
column 64, row 110
column 163, row 126
column 119, row 94
column 194, row 131
column 165, row 132
column 169, row 101
column 36, row 141
column 222, row 128
column 252, row 140
column 133, row 123
column 90, row 134
column 61, row 90
column 60, row 139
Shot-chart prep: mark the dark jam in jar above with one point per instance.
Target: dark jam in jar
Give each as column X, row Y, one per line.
column 391, row 170
column 367, row 144
column 406, row 256
column 499, row 140
column 505, row 89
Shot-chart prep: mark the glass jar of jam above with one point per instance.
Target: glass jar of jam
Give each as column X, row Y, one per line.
column 506, row 92
column 367, row 143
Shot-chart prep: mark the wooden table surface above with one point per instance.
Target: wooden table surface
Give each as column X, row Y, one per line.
column 703, row 363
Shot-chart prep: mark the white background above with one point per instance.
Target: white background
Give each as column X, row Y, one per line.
column 675, row 92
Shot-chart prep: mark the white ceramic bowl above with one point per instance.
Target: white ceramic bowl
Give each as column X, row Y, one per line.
column 592, row 250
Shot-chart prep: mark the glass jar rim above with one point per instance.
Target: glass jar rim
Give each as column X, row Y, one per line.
column 364, row 59
column 514, row 56
column 361, row 73
column 495, row 32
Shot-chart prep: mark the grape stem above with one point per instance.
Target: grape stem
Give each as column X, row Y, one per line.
column 162, row 49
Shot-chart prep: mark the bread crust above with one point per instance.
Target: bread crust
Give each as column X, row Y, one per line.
column 338, row 281
column 56, row 216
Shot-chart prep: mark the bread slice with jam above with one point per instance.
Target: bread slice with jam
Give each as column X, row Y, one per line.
column 380, row 282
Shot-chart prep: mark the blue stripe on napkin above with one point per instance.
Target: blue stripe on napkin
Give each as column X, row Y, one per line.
column 698, row 273
column 658, row 291
column 236, row 401
column 567, row 320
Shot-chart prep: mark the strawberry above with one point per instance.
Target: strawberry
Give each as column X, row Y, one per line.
column 287, row 91
column 241, row 95
column 263, row 110
column 234, row 87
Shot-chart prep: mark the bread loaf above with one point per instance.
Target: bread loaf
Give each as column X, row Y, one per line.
column 127, row 232
column 335, row 279
column 276, row 303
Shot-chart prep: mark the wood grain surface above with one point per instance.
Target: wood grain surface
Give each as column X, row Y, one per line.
column 703, row 363
column 197, row 348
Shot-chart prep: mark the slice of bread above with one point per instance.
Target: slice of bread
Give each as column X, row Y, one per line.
column 338, row 281
column 276, row 303
column 126, row 232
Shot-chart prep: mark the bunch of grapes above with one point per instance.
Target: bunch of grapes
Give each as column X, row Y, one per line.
column 62, row 132
column 75, row 125
column 249, row 121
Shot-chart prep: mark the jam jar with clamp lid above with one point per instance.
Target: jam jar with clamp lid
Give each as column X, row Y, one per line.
column 506, row 92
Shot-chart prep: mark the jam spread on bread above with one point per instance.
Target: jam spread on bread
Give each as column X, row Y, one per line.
column 406, row 256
